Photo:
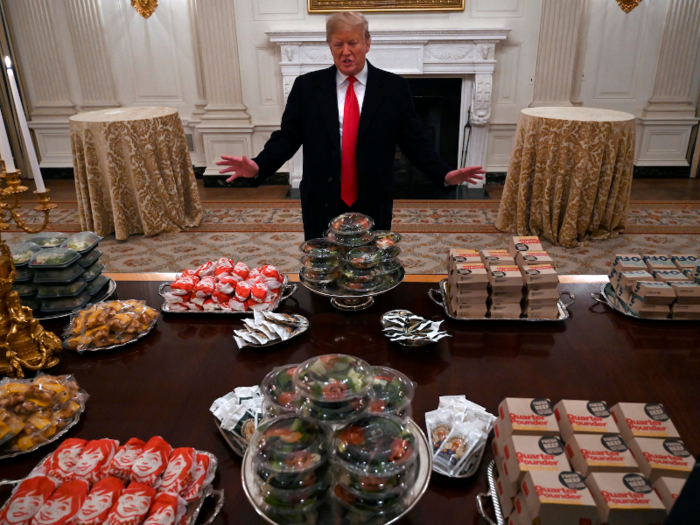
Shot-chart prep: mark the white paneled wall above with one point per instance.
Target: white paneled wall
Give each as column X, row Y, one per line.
column 80, row 55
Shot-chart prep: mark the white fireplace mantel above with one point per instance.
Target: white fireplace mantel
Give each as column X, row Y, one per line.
column 469, row 54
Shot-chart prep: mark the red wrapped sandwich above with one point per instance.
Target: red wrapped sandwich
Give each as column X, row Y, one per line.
column 121, row 464
column 205, row 287
column 152, row 462
column 242, row 270
column 100, row 501
column 61, row 464
column 224, row 266
column 206, row 270
column 132, row 506
column 184, row 285
column 180, row 471
column 64, row 504
column 28, row 498
column 167, row 509
column 203, row 476
column 95, row 458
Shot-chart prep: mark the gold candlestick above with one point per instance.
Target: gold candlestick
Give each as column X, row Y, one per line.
column 24, row 344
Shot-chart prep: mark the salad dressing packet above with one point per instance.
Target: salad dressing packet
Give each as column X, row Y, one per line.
column 456, row 448
column 439, row 423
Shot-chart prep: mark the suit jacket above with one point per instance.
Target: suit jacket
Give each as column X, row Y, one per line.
column 388, row 118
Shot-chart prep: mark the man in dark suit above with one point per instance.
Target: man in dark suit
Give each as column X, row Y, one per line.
column 349, row 118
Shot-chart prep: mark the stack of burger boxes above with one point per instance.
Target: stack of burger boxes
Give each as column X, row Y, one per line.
column 506, row 284
column 541, row 284
column 629, row 464
column 657, row 286
column 468, row 282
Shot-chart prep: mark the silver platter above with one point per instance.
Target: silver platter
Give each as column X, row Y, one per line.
column 111, row 288
column 120, row 345
column 193, row 509
column 287, row 291
column 442, row 301
column 425, row 466
column 493, row 496
column 344, row 300
column 299, row 329
column 607, row 297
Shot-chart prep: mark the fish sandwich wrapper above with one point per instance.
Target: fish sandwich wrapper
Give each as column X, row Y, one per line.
column 629, row 262
column 686, row 292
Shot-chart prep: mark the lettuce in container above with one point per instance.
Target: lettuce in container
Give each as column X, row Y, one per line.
column 22, row 252
column 351, row 223
column 333, row 378
column 391, row 393
column 280, row 394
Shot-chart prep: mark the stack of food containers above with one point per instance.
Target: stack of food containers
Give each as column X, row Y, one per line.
column 541, row 285
column 280, row 395
column 468, row 283
column 506, row 280
column 391, row 393
column 388, row 242
column 321, row 259
column 361, row 271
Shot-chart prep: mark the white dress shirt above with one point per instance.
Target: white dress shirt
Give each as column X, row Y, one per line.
column 341, row 82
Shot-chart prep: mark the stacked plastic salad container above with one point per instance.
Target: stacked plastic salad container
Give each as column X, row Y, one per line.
column 319, row 439
column 351, row 255
column 57, row 273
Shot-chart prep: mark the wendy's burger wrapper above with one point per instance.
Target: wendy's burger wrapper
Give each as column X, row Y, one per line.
column 239, row 413
column 643, row 420
column 457, row 432
column 63, row 505
column 659, row 262
column 625, row 499
column 629, row 262
column 518, row 245
column 132, row 506
column 100, row 501
column 167, row 509
column 668, row 489
column 584, row 417
column 654, row 293
column 268, row 328
column 556, row 498
column 152, row 462
column 685, row 261
column 599, row 453
column 26, row 500
column 662, row 457
column 687, row 293
column 123, row 461
column 525, row 453
column 94, row 459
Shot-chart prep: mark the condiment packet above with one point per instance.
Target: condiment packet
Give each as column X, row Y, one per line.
column 455, row 448
column 476, row 439
column 439, row 424
column 222, row 401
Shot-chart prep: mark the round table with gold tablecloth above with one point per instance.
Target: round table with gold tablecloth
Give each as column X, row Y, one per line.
column 570, row 175
column 133, row 172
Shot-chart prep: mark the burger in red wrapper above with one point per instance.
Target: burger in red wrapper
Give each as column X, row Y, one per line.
column 167, row 509
column 270, row 271
column 62, row 462
column 258, row 292
column 64, row 504
column 28, row 498
column 100, row 501
column 152, row 462
column 227, row 284
column 203, row 476
column 180, row 471
column 242, row 270
column 132, row 506
column 237, row 306
column 221, row 297
column 243, row 291
column 95, row 458
column 205, row 287
column 184, row 285
column 224, row 266
column 206, row 270
column 210, row 305
column 121, row 464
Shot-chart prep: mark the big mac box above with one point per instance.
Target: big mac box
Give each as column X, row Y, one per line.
column 505, row 277
column 461, row 256
column 497, row 258
column 685, row 261
column 583, row 417
column 505, row 311
column 661, row 457
column 628, row 280
column 648, row 311
column 654, row 292
column 625, row 499
column 545, row 297
column 665, row 276
column 685, row 311
column 686, row 292
column 529, row 243
column 668, row 489
column 523, row 416
column 643, row 420
column 629, row 262
column 541, row 311
column 469, row 311
column 599, row 453
column 540, row 276
column 659, row 262
column 558, row 498
column 505, row 296
column 468, row 295
column 528, row 258
column 524, row 453
column 469, row 276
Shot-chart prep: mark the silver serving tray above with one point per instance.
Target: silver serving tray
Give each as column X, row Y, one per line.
column 55, row 437
column 607, row 297
column 337, row 292
column 287, row 291
column 298, row 330
column 491, row 494
column 120, row 345
column 442, row 301
column 425, row 466
column 111, row 288
column 193, row 509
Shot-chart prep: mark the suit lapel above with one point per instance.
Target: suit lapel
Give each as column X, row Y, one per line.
column 373, row 97
column 328, row 102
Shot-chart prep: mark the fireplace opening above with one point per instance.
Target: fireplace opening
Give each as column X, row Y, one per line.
column 438, row 102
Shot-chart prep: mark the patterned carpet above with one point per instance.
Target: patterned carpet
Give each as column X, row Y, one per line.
column 271, row 233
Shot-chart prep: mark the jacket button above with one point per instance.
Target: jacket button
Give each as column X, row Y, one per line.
column 330, row 179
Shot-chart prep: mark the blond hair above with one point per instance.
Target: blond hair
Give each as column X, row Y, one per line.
column 346, row 20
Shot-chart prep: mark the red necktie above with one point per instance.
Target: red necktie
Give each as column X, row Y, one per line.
column 351, row 122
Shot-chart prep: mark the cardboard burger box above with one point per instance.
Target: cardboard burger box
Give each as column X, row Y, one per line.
column 686, row 292
column 506, row 489
column 541, row 311
column 625, row 499
column 462, row 256
column 558, row 498
column 540, row 276
column 665, row 276
column 526, row 416
column 505, row 277
column 648, row 311
column 684, row 261
column 497, row 258
column 629, row 262
column 529, row 243
column 659, row 262
column 469, row 276
column 625, row 296
column 505, row 296
column 545, row 297
column 521, row 514
column 692, row 274
column 461, row 296
column 643, row 420
column 668, row 489
column 469, row 311
column 662, row 457
column 599, row 453
column 654, row 292
column 628, row 280
column 685, row 311
column 537, row 258
column 506, row 311
column 584, row 417
column 525, row 453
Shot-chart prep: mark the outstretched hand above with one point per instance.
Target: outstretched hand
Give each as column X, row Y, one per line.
column 472, row 174
column 239, row 166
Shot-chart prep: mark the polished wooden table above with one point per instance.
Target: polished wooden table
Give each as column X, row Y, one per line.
column 165, row 383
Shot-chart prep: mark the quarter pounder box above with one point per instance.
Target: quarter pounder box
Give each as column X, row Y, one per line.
column 583, row 417
column 528, row 258
column 668, row 489
column 643, row 420
column 659, row 262
column 520, row 511
column 629, row 280
column 683, row 261
column 469, row 275
column 505, row 488
column 546, row 297
column 524, row 453
column 625, row 499
column 661, row 457
column 541, row 275
column 505, row 311
column 524, row 244
column 628, row 262
column 654, row 292
column 522, row 416
column 558, row 498
column 507, row 276
column 496, row 257
column 669, row 275
column 687, row 292
column 685, row 311
column 462, row 256
column 537, row 311
column 599, row 453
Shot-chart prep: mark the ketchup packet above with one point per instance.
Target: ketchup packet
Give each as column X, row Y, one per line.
column 203, row 476
column 167, row 509
column 95, row 458
column 132, row 506
column 180, row 471
column 121, row 463
column 62, row 462
column 100, row 501
column 28, row 498
column 63, row 504
column 152, row 462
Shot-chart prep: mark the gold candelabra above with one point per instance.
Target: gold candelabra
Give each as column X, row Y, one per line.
column 24, row 344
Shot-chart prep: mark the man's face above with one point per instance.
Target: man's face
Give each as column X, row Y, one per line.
column 349, row 48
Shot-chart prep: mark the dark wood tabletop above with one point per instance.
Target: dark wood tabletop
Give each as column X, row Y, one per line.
column 165, row 383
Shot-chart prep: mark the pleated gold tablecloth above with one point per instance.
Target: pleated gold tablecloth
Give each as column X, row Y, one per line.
column 133, row 172
column 570, row 175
